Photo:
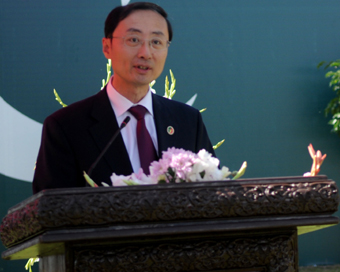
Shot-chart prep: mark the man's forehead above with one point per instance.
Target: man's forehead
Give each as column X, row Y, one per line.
column 139, row 31
column 144, row 21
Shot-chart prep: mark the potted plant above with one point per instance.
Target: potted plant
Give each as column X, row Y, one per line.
column 333, row 106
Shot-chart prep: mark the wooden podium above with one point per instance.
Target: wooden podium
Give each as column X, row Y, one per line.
column 244, row 225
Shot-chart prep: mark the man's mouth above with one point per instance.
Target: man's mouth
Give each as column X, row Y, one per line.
column 143, row 67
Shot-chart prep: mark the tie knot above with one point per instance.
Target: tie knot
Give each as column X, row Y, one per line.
column 138, row 111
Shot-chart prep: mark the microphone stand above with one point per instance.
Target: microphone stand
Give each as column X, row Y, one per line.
column 124, row 123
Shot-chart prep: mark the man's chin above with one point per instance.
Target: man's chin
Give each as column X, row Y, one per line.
column 142, row 85
column 143, row 81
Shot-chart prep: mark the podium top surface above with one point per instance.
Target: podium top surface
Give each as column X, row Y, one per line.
column 262, row 202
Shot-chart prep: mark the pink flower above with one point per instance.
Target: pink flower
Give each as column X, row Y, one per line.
column 158, row 168
column 179, row 160
column 182, row 163
column 175, row 166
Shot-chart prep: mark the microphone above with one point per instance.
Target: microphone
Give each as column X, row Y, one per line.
column 123, row 124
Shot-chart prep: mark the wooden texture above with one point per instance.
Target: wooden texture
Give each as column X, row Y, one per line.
column 249, row 224
column 53, row 263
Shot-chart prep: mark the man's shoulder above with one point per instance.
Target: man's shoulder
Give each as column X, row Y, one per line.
column 81, row 108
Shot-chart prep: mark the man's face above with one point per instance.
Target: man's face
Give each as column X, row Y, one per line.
column 136, row 67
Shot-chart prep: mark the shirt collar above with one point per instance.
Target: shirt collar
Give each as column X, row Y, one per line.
column 121, row 104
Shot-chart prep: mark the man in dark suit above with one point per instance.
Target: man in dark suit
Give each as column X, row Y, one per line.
column 137, row 37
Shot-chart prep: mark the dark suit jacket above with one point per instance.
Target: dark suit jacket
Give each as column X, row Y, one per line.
column 74, row 136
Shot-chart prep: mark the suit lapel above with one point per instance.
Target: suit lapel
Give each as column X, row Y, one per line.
column 106, row 125
column 102, row 131
column 164, row 121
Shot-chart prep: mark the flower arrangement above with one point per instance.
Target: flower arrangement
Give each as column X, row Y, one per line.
column 177, row 166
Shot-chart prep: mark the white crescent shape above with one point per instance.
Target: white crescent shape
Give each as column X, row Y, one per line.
column 191, row 101
column 125, row 2
column 19, row 143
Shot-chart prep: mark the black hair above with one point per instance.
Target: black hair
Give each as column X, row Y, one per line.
column 120, row 13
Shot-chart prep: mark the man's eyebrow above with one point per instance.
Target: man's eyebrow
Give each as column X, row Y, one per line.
column 159, row 33
column 134, row 30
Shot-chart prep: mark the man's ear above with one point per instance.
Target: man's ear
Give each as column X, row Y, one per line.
column 106, row 47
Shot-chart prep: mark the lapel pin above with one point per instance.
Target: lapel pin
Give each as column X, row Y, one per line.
column 170, row 130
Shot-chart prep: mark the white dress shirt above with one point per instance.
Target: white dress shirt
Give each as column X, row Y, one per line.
column 120, row 106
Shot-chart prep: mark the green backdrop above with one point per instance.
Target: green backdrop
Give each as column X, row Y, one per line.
column 251, row 62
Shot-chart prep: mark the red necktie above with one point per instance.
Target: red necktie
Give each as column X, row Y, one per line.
column 146, row 149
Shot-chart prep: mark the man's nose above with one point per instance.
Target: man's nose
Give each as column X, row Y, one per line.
column 145, row 50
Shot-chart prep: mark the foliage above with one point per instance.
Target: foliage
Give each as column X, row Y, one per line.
column 218, row 144
column 333, row 106
column 169, row 93
column 30, row 263
column 57, row 97
column 108, row 74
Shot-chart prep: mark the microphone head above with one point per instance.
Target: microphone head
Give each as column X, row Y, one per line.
column 125, row 121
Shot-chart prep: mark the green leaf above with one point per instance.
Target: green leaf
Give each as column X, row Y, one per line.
column 241, row 171
column 218, row 144
column 130, row 182
column 57, row 97
column 89, row 180
column 171, row 172
column 333, row 82
column 337, row 115
column 103, row 84
column 320, row 64
column 333, row 107
column 108, row 74
column 335, row 64
column 152, row 83
column 172, row 76
column 166, row 91
column 329, row 74
column 30, row 263
column 202, row 174
column 332, row 122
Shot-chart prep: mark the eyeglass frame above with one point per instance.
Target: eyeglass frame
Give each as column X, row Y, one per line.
column 141, row 42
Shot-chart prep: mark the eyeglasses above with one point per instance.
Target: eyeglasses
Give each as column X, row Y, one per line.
column 136, row 41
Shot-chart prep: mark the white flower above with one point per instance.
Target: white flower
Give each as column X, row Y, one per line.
column 206, row 168
column 118, row 180
column 177, row 165
column 138, row 178
column 225, row 172
column 142, row 179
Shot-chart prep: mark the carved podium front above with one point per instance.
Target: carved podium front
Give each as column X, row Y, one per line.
column 244, row 225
